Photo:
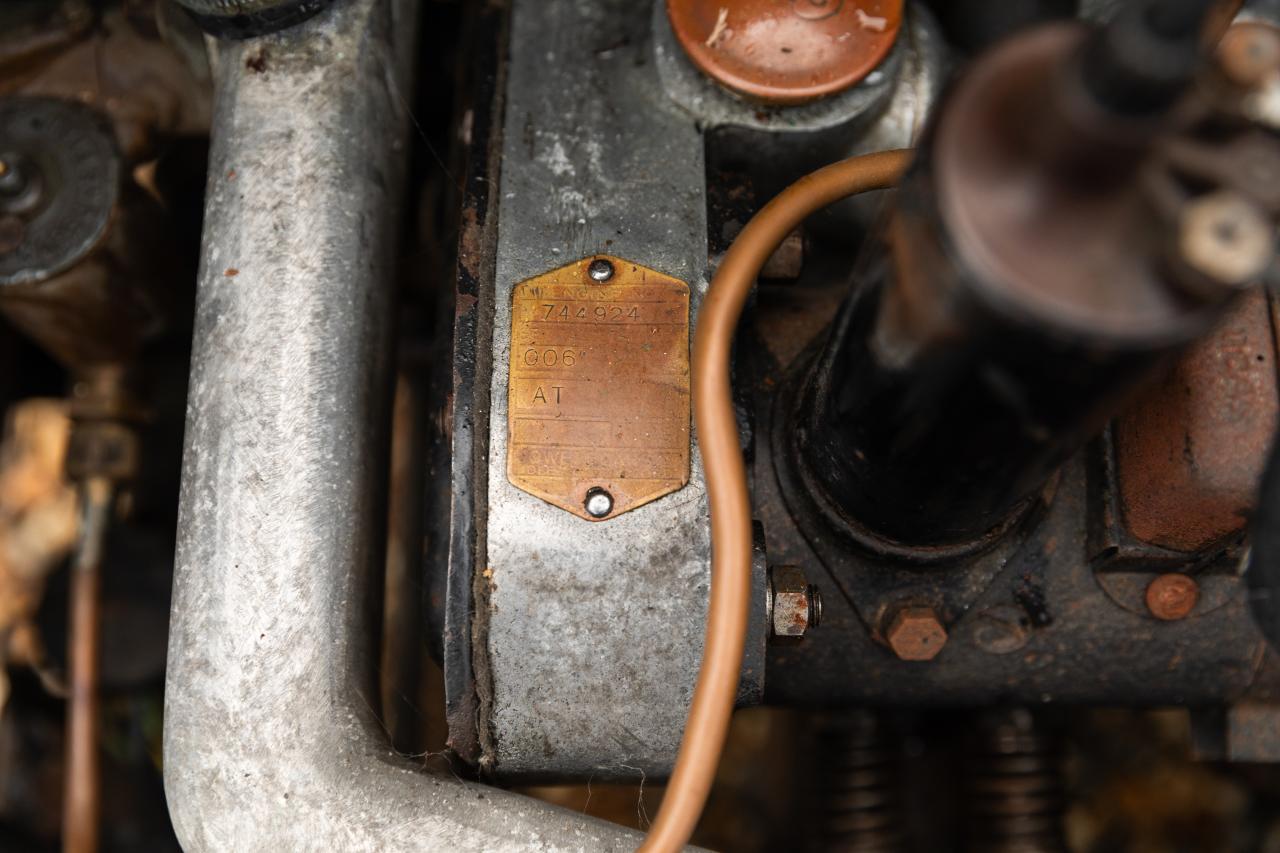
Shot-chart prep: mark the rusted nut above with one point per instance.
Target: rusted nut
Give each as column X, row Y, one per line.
column 780, row 52
column 1173, row 596
column 916, row 633
column 1249, row 53
column 1226, row 239
column 795, row 605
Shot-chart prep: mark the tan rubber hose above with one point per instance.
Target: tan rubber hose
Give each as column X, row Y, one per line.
column 717, row 688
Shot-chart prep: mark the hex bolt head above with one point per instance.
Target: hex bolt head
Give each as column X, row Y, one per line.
column 1172, row 596
column 598, row 503
column 916, row 633
column 600, row 270
column 795, row 605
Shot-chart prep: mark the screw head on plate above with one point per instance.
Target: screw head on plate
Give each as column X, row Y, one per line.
column 600, row 270
column 599, row 503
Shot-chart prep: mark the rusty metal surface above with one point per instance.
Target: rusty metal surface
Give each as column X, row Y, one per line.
column 464, row 423
column 786, row 52
column 598, row 398
column 1190, row 451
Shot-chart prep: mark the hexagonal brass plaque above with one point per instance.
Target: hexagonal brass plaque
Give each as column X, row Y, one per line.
column 598, row 394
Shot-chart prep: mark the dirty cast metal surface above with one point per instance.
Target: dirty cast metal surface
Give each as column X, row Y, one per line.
column 588, row 634
column 598, row 400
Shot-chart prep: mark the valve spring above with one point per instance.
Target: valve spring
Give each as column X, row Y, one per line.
column 1014, row 787
column 857, row 802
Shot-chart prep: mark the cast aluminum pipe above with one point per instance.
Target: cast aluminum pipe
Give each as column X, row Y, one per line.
column 270, row 742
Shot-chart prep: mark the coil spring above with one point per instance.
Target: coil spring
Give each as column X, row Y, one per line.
column 857, row 787
column 1014, row 787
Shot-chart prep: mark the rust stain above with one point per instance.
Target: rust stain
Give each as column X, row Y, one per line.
column 598, row 392
column 1190, row 452
column 231, row 272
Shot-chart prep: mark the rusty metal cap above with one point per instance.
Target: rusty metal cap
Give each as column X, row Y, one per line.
column 786, row 51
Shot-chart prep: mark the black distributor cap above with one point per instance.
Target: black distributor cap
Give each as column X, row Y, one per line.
column 59, row 183
column 242, row 19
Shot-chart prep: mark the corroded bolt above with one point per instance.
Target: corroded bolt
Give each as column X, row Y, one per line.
column 916, row 633
column 1172, row 596
column 795, row 605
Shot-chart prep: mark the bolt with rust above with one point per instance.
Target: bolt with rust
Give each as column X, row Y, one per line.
column 794, row 604
column 916, row 633
column 1172, row 596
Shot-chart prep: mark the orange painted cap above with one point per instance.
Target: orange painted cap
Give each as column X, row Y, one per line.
column 786, row 51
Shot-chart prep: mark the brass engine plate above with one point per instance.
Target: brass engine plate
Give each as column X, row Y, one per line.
column 598, row 393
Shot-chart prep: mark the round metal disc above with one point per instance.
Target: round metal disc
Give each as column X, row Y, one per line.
column 786, row 51
column 70, row 166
